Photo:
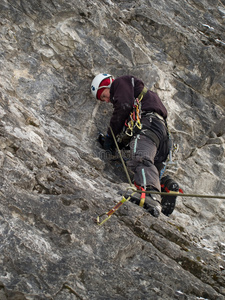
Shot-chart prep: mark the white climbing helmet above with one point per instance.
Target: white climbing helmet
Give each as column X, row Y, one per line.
column 97, row 81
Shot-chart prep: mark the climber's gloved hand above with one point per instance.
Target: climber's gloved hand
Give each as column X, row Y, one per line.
column 101, row 139
column 109, row 144
column 124, row 146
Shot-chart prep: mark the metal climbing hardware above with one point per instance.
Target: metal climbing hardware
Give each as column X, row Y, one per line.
column 138, row 119
column 133, row 124
column 135, row 118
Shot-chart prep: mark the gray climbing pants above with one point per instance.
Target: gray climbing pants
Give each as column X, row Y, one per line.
column 145, row 154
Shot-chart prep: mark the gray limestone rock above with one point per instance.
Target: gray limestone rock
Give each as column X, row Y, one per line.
column 55, row 179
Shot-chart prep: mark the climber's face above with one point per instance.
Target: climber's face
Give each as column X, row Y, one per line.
column 105, row 95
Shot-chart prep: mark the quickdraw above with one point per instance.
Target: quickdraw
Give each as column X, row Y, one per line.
column 109, row 214
column 135, row 118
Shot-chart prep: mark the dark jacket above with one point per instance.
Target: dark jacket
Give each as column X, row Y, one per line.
column 122, row 95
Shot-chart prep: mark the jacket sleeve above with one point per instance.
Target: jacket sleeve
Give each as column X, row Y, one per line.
column 122, row 97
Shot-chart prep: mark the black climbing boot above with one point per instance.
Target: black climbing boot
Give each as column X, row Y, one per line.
column 152, row 203
column 168, row 202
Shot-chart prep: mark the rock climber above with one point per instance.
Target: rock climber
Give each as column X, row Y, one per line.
column 140, row 116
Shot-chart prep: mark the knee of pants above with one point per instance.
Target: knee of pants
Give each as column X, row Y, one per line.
column 147, row 162
column 137, row 161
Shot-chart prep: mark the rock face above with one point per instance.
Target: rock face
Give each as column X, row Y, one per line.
column 54, row 177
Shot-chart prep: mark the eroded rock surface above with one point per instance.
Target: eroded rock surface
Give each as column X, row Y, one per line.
column 55, row 180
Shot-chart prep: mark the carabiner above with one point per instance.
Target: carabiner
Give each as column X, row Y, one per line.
column 104, row 220
column 138, row 124
column 129, row 134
